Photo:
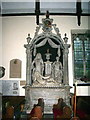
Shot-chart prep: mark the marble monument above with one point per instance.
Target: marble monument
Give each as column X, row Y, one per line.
column 46, row 66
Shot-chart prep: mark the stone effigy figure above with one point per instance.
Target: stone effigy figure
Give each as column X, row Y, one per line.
column 46, row 81
column 48, row 64
column 38, row 69
column 57, row 70
column 38, row 78
column 37, row 64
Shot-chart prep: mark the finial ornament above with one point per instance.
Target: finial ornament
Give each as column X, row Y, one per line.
column 47, row 23
column 47, row 14
column 65, row 38
column 28, row 38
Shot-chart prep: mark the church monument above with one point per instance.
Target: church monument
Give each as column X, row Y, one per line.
column 46, row 66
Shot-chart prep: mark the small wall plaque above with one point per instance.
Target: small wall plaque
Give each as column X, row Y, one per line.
column 15, row 68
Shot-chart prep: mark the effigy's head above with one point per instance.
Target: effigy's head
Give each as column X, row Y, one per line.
column 57, row 58
column 38, row 56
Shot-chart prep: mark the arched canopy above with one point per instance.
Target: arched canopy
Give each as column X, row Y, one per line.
column 54, row 41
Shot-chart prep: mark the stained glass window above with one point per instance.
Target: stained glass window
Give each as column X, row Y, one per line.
column 81, row 47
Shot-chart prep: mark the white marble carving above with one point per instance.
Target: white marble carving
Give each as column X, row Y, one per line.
column 41, row 81
column 48, row 64
column 37, row 64
column 38, row 67
column 57, row 70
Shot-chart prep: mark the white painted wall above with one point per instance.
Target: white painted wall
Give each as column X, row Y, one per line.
column 83, row 91
column 14, row 34
column 0, row 41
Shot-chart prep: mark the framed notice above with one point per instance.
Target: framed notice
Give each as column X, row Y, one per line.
column 10, row 87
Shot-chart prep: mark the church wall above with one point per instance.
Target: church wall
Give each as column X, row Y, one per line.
column 14, row 34
column 1, row 41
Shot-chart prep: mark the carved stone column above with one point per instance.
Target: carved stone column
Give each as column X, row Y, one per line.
column 28, row 72
column 65, row 63
column 28, row 61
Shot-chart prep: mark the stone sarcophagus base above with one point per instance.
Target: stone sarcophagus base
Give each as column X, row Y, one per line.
column 50, row 96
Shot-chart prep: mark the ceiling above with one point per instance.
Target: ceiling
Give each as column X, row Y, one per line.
column 55, row 7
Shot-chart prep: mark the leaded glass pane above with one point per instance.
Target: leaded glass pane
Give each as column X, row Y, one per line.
column 78, row 55
column 88, row 64
column 88, row 73
column 78, row 73
column 78, row 46
column 78, row 64
column 87, row 55
column 87, row 45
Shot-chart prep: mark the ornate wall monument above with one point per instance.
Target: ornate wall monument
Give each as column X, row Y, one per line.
column 46, row 66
